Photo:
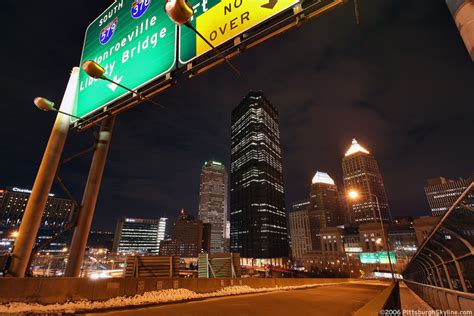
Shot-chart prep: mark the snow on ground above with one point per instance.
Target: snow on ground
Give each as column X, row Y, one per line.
column 154, row 297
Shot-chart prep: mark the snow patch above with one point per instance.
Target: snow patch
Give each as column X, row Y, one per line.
column 154, row 297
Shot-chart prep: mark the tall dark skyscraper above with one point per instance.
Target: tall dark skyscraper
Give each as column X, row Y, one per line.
column 361, row 174
column 258, row 217
column 213, row 202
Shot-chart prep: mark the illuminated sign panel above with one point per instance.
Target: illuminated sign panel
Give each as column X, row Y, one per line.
column 221, row 21
column 15, row 189
column 377, row 257
column 135, row 42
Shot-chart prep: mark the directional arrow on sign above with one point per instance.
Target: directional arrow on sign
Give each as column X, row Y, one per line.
column 113, row 86
column 270, row 5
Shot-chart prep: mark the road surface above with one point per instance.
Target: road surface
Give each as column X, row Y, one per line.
column 328, row 300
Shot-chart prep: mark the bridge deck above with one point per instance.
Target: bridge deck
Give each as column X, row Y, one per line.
column 332, row 300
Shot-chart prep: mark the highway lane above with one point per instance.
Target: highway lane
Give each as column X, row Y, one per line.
column 329, row 300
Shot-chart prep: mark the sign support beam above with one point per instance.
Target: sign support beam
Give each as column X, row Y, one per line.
column 31, row 221
column 89, row 200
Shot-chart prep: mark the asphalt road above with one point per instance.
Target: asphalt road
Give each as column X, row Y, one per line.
column 330, row 300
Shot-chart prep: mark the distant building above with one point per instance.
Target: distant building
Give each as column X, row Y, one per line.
column 57, row 212
column 423, row 227
column 325, row 208
column 356, row 250
column 101, row 239
column 300, row 205
column 213, row 202
column 442, row 193
column 258, row 216
column 361, row 174
column 139, row 236
column 300, row 235
column 13, row 202
column 403, row 241
column 189, row 237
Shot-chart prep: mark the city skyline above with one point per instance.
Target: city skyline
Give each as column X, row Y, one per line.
column 356, row 96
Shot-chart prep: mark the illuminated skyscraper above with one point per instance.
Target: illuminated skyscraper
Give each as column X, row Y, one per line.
column 258, row 217
column 361, row 173
column 324, row 208
column 213, row 202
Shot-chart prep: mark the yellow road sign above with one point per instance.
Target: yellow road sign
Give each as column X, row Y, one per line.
column 230, row 18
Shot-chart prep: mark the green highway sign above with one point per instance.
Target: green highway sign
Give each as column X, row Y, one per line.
column 135, row 41
column 221, row 21
column 377, row 257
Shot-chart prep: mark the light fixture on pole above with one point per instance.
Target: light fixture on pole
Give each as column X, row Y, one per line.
column 96, row 71
column 181, row 12
column 46, row 105
column 354, row 195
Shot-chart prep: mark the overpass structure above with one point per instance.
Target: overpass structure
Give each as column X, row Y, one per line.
column 442, row 270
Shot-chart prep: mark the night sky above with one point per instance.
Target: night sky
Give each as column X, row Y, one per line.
column 401, row 83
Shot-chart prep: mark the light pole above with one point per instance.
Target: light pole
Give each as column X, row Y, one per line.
column 46, row 105
column 354, row 195
column 31, row 220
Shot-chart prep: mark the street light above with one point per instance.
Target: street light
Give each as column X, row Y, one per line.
column 96, row 71
column 354, row 195
column 14, row 234
column 46, row 105
column 181, row 12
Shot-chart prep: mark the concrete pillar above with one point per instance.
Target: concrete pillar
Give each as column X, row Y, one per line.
column 89, row 200
column 463, row 14
column 31, row 221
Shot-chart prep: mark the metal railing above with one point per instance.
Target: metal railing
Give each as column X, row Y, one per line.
column 442, row 270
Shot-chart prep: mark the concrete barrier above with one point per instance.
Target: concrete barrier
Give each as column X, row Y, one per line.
column 388, row 299
column 60, row 290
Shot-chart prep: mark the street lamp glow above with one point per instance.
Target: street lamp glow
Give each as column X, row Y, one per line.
column 44, row 104
column 93, row 69
column 353, row 195
column 14, row 234
column 379, row 241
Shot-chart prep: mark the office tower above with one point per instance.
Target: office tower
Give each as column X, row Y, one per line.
column 100, row 239
column 189, row 237
column 213, row 202
column 258, row 217
column 324, row 208
column 442, row 193
column 13, row 204
column 362, row 175
column 57, row 213
column 139, row 236
column 325, row 199
column 300, row 234
column 300, row 205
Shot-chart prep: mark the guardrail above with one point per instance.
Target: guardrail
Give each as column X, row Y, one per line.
column 442, row 270
column 388, row 300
